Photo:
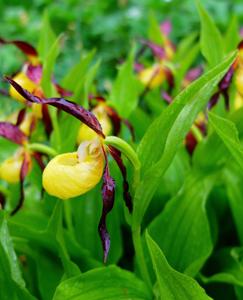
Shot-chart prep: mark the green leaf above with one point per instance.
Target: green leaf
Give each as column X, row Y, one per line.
column 102, row 284
column 78, row 71
column 154, row 31
column 82, row 90
column 172, row 284
column 182, row 229
column 126, row 88
column 184, row 65
column 184, row 46
column 233, row 182
column 11, row 282
column 232, row 37
column 46, row 39
column 228, row 133
column 162, row 139
column 211, row 41
column 229, row 267
column 48, row 68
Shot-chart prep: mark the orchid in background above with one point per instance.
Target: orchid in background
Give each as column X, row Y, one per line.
column 30, row 77
column 15, row 168
column 163, row 53
column 72, row 174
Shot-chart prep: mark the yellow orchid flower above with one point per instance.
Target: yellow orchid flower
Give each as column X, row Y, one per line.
column 72, row 174
column 152, row 76
column 10, row 168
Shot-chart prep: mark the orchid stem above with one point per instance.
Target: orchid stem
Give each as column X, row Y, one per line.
column 131, row 155
column 128, row 151
column 42, row 148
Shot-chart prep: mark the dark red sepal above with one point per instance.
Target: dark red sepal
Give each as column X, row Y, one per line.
column 12, row 132
column 21, row 116
column 70, row 107
column 23, row 172
column 34, row 73
column 108, row 195
column 157, row 50
column 26, row 48
column 2, row 200
column 116, row 154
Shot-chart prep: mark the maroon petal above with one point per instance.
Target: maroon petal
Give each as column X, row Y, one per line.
column 166, row 27
column 46, row 119
column 21, row 116
column 12, row 133
column 23, row 173
column 193, row 74
column 170, row 79
column 108, row 195
column 34, row 73
column 2, row 200
column 157, row 50
column 39, row 159
column 167, row 97
column 26, row 48
column 70, row 107
column 116, row 154
column 61, row 91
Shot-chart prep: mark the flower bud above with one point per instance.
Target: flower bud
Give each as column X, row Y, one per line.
column 72, row 174
column 152, row 76
column 22, row 79
column 86, row 134
column 11, row 167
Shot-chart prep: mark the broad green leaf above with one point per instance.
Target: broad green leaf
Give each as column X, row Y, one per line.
column 232, row 37
column 102, row 284
column 47, row 37
column 233, row 182
column 184, row 46
column 228, row 133
column 78, row 71
column 154, row 31
column 182, row 229
column 82, row 90
column 48, row 68
column 172, row 284
column 11, row 282
column 211, row 41
column 229, row 269
column 162, row 139
column 126, row 88
column 183, row 67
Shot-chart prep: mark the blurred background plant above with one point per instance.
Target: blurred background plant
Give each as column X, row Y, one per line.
column 109, row 26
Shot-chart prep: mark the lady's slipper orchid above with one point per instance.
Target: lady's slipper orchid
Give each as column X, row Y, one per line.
column 73, row 174
column 77, row 172
column 16, row 168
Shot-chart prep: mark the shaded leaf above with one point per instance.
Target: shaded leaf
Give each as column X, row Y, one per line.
column 102, row 284
column 172, row 284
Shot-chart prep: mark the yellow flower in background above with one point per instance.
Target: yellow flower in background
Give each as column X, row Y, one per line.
column 238, row 103
column 152, row 76
column 72, row 174
column 22, row 79
column 11, row 167
column 86, row 134
column 239, row 80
